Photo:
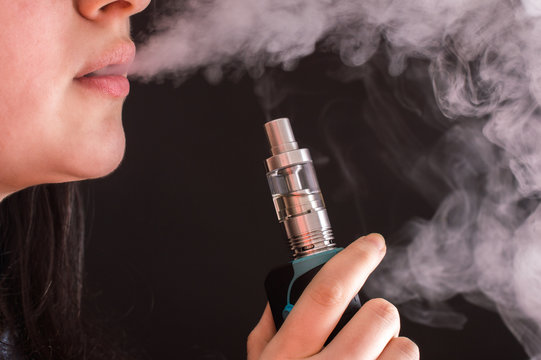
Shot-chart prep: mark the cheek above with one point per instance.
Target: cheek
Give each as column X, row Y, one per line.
column 49, row 130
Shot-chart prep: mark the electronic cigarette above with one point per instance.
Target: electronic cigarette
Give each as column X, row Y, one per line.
column 301, row 210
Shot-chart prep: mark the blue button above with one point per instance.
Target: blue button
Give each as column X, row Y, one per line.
column 286, row 311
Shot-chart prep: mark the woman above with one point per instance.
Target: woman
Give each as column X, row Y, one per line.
column 63, row 83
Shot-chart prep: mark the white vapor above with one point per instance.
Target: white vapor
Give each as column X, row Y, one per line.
column 484, row 242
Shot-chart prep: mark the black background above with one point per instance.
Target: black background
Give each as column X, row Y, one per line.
column 182, row 235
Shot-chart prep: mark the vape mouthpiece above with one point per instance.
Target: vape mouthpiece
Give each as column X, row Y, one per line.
column 295, row 191
column 280, row 136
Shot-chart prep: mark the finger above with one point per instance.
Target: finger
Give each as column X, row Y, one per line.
column 322, row 303
column 261, row 335
column 400, row 348
column 367, row 334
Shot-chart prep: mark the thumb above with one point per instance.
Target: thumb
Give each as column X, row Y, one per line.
column 261, row 335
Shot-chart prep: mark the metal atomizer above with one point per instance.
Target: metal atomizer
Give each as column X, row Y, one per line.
column 295, row 191
column 301, row 210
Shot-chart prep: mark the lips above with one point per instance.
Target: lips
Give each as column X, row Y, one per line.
column 107, row 74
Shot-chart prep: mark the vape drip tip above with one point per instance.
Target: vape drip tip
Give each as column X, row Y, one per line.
column 295, row 191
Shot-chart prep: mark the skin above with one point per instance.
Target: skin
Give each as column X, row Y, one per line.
column 54, row 130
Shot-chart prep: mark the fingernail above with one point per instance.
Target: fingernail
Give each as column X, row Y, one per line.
column 377, row 240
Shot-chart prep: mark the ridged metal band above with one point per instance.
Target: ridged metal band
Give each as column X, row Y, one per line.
column 309, row 233
column 311, row 243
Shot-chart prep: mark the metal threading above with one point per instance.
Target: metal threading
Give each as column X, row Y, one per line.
column 311, row 243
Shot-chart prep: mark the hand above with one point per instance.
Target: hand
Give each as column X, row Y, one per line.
column 371, row 334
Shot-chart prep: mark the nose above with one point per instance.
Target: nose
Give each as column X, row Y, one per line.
column 97, row 9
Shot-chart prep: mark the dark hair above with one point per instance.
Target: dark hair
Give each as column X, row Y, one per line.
column 41, row 276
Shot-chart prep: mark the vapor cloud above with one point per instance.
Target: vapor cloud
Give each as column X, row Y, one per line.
column 484, row 241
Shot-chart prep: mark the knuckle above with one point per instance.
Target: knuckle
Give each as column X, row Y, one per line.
column 251, row 340
column 385, row 311
column 407, row 348
column 327, row 293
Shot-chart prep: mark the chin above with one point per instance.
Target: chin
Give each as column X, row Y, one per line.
column 96, row 161
column 107, row 162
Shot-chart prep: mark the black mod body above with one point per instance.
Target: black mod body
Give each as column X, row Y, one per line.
column 284, row 286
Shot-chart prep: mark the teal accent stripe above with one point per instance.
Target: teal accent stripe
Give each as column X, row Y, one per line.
column 302, row 266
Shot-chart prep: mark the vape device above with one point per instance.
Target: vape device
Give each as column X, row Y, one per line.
column 301, row 210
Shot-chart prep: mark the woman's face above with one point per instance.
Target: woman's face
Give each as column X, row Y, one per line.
column 56, row 124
